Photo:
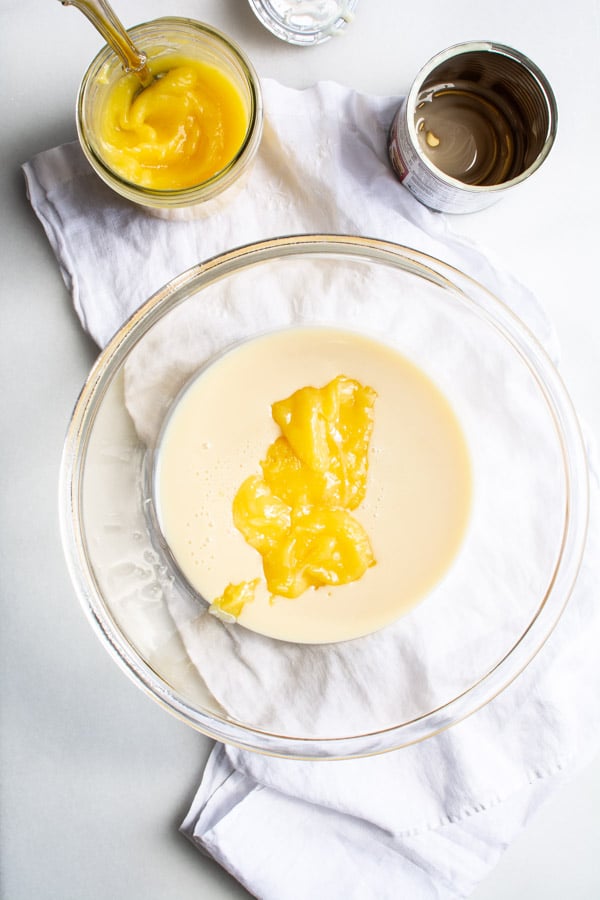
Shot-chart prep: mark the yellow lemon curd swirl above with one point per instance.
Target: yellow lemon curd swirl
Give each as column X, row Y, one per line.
column 297, row 515
column 184, row 128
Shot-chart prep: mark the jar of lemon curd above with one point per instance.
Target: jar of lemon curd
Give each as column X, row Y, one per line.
column 186, row 137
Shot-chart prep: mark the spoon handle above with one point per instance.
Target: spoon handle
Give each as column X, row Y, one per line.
column 104, row 19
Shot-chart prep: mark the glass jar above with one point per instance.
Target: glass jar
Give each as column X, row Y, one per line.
column 160, row 39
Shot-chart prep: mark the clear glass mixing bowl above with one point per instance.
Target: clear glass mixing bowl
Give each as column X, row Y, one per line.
column 467, row 640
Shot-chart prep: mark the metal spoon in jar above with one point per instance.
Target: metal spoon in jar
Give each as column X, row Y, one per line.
column 103, row 18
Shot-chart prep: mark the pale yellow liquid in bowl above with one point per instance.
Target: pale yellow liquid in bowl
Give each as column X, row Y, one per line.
column 417, row 501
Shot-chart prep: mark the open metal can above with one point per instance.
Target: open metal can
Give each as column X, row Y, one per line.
column 479, row 118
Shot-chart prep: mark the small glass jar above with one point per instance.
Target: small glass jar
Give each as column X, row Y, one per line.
column 162, row 38
column 304, row 22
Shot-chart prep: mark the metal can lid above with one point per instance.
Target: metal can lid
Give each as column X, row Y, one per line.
column 304, row 22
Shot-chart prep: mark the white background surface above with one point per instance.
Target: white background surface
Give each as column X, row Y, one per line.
column 95, row 777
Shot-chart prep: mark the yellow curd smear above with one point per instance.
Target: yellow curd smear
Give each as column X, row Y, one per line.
column 298, row 514
column 180, row 131
column 232, row 600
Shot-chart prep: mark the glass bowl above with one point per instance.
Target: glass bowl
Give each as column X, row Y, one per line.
column 161, row 39
column 472, row 634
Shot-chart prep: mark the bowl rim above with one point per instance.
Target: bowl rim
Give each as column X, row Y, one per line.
column 492, row 682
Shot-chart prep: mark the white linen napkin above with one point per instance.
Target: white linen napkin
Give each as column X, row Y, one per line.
column 429, row 820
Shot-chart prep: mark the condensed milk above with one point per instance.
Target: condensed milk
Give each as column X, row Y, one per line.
column 416, row 506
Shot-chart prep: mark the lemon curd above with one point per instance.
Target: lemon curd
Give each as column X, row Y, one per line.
column 182, row 130
column 297, row 514
column 323, row 516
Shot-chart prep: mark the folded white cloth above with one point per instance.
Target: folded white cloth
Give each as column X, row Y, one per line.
column 429, row 820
